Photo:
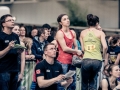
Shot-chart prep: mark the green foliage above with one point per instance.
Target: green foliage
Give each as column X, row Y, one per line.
column 76, row 14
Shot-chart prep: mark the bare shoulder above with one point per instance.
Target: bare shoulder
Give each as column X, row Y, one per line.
column 101, row 32
column 104, row 82
column 73, row 31
column 83, row 32
column 54, row 42
column 59, row 34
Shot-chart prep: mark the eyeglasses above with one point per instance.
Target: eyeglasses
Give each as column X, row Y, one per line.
column 10, row 20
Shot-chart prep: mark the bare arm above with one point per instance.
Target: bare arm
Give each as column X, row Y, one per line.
column 45, row 83
column 117, row 60
column 104, row 44
column 55, row 42
column 6, row 50
column 60, row 39
column 81, row 41
column 104, row 84
column 66, row 83
column 22, row 62
column 42, row 83
column 75, row 41
column 20, row 76
column 106, row 59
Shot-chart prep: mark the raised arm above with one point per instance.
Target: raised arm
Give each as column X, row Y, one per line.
column 7, row 49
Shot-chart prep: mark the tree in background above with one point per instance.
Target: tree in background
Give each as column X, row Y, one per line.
column 76, row 14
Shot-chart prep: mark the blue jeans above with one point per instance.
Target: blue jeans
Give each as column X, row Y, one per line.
column 8, row 81
column 89, row 71
column 66, row 68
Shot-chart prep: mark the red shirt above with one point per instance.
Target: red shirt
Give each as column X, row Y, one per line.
column 64, row 57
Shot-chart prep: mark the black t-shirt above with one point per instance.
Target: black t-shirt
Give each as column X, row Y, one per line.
column 113, row 51
column 9, row 62
column 48, row 71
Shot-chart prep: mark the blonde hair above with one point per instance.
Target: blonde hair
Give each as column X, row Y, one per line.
column 28, row 44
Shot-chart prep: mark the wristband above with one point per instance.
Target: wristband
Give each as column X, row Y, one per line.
column 82, row 52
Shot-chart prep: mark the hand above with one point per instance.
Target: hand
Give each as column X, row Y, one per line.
column 27, row 57
column 32, row 56
column 11, row 44
column 79, row 52
column 20, row 77
column 69, row 80
column 60, row 77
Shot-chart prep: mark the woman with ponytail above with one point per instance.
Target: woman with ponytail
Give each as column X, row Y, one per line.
column 91, row 40
column 66, row 38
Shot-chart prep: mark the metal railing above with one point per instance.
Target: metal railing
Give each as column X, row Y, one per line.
column 28, row 74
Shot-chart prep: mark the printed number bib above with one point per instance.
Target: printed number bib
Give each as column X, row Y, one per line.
column 90, row 48
column 113, row 58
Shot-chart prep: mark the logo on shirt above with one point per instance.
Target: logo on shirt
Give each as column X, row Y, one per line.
column 6, row 41
column 38, row 71
column 112, row 52
column 90, row 35
column 47, row 70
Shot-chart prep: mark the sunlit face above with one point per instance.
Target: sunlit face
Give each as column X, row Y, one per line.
column 51, row 51
column 9, row 22
column 16, row 30
column 115, row 72
column 22, row 31
column 65, row 21
column 34, row 32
